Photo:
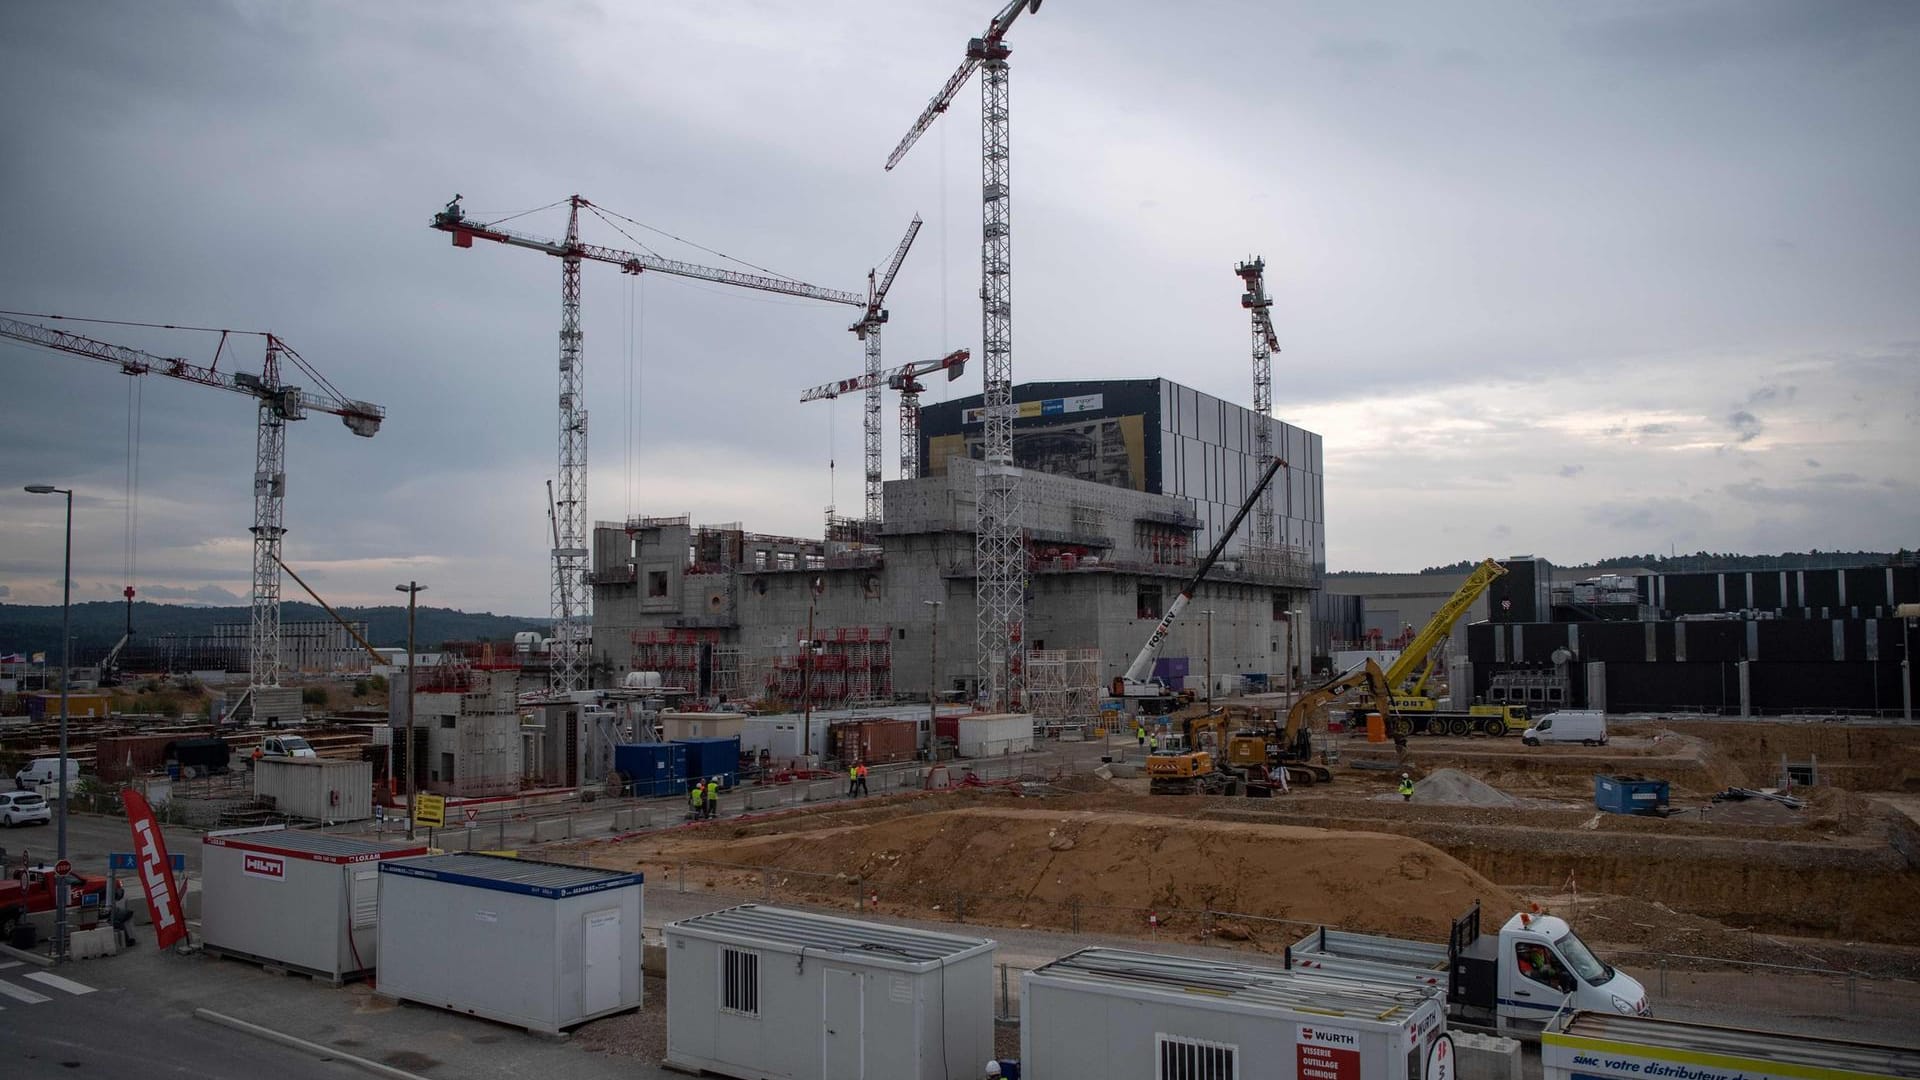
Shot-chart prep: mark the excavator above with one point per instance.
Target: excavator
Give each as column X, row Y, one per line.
column 1415, row 710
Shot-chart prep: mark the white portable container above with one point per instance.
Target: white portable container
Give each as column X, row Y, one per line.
column 763, row 992
column 993, row 734
column 305, row 901
column 318, row 789
column 1585, row 726
column 780, row 735
column 539, row 945
column 1603, row 1046
column 676, row 726
column 1104, row 1013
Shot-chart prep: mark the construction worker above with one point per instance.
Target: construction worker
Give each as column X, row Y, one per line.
column 697, row 795
column 853, row 780
column 1140, row 734
column 860, row 777
column 1406, row 788
column 713, row 797
column 1153, row 742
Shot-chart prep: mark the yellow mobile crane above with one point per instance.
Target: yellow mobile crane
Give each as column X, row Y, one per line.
column 1415, row 709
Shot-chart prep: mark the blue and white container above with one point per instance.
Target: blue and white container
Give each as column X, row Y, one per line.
column 538, row 945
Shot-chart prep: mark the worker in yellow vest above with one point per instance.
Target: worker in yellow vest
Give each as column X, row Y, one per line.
column 1406, row 788
column 713, row 797
column 697, row 795
column 853, row 780
column 1140, row 734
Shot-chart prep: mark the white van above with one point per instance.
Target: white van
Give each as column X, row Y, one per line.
column 45, row 770
column 286, row 746
column 1587, row 727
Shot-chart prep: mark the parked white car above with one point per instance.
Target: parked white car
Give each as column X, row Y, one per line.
column 286, row 746
column 46, row 770
column 24, row 808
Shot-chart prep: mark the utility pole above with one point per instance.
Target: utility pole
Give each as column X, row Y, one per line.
column 1906, row 613
column 1209, row 614
column 806, row 682
column 413, row 589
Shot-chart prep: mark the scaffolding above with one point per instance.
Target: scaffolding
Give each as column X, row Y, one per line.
column 1063, row 685
column 849, row 663
column 675, row 654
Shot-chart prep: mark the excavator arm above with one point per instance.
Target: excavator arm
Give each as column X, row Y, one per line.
column 1296, row 739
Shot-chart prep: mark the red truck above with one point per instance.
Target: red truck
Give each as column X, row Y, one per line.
column 27, row 895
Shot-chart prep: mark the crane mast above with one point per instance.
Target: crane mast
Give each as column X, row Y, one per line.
column 1254, row 298
column 999, row 548
column 868, row 331
column 277, row 404
column 571, row 599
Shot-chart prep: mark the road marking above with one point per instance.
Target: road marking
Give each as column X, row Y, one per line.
column 12, row 964
column 22, row 994
column 49, row 979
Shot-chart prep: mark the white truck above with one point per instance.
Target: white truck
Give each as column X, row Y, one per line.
column 1512, row 983
column 1588, row 727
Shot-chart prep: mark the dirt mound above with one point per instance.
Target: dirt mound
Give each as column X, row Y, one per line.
column 1451, row 787
column 1081, row 870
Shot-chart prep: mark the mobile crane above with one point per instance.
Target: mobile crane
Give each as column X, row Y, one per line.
column 1414, row 709
column 1136, row 685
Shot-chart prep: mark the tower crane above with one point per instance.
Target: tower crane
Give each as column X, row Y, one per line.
column 1255, row 299
column 999, row 551
column 278, row 404
column 571, row 599
column 905, row 379
column 868, row 331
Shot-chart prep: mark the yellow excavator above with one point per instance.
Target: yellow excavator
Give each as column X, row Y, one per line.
column 1223, row 750
column 1415, row 710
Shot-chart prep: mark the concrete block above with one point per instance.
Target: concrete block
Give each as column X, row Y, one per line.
column 99, row 941
column 1487, row 1057
column 550, row 829
column 762, row 798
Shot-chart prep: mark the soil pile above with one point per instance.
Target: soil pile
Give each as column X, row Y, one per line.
column 1106, row 870
column 1451, row 787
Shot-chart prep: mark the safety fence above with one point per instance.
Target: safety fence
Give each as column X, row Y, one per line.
column 1703, row 982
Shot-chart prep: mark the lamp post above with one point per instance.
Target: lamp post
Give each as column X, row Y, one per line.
column 1906, row 613
column 1208, row 612
column 66, row 674
column 1293, row 662
column 413, row 589
column 933, row 676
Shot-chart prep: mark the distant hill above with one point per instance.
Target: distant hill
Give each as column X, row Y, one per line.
column 97, row 625
column 1698, row 561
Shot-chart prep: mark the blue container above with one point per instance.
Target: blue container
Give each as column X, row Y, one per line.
column 1629, row 794
column 713, row 757
column 653, row 768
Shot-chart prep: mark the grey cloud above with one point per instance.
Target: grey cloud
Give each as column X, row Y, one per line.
column 1746, row 426
column 1812, row 464
column 1357, row 52
column 4, row 591
column 1571, row 471
column 1728, row 32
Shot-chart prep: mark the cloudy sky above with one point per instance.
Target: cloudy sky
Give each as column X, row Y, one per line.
column 1567, row 279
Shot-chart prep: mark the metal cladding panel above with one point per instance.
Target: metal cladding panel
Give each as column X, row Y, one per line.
column 505, row 954
column 1822, row 589
column 1766, row 593
column 1692, row 594
column 281, row 907
column 713, row 757
column 501, row 874
column 926, row 1021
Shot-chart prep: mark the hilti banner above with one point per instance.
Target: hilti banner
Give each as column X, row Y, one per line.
column 150, row 860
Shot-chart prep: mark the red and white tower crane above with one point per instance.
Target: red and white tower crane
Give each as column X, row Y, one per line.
column 868, row 331
column 571, row 597
column 906, row 380
column 1254, row 298
column 999, row 551
column 278, row 404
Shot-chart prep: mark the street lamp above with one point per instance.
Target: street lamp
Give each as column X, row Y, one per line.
column 413, row 589
column 1906, row 613
column 933, row 675
column 1293, row 662
column 66, row 672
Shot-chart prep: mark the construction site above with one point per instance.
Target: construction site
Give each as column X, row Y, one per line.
column 1074, row 676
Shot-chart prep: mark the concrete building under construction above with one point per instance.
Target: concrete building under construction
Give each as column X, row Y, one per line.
column 1114, row 524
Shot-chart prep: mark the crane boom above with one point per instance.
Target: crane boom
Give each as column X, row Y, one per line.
column 984, row 47
column 867, row 330
column 879, row 295
column 954, row 363
column 1415, row 655
column 1143, row 663
column 452, row 220
column 362, row 418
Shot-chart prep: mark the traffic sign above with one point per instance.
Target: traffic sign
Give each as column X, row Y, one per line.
column 123, row 860
column 62, row 868
column 430, row 810
column 473, row 815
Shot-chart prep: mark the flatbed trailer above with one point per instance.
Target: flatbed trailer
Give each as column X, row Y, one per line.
column 1580, row 1045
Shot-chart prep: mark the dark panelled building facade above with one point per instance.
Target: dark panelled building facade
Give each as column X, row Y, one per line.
column 1738, row 643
